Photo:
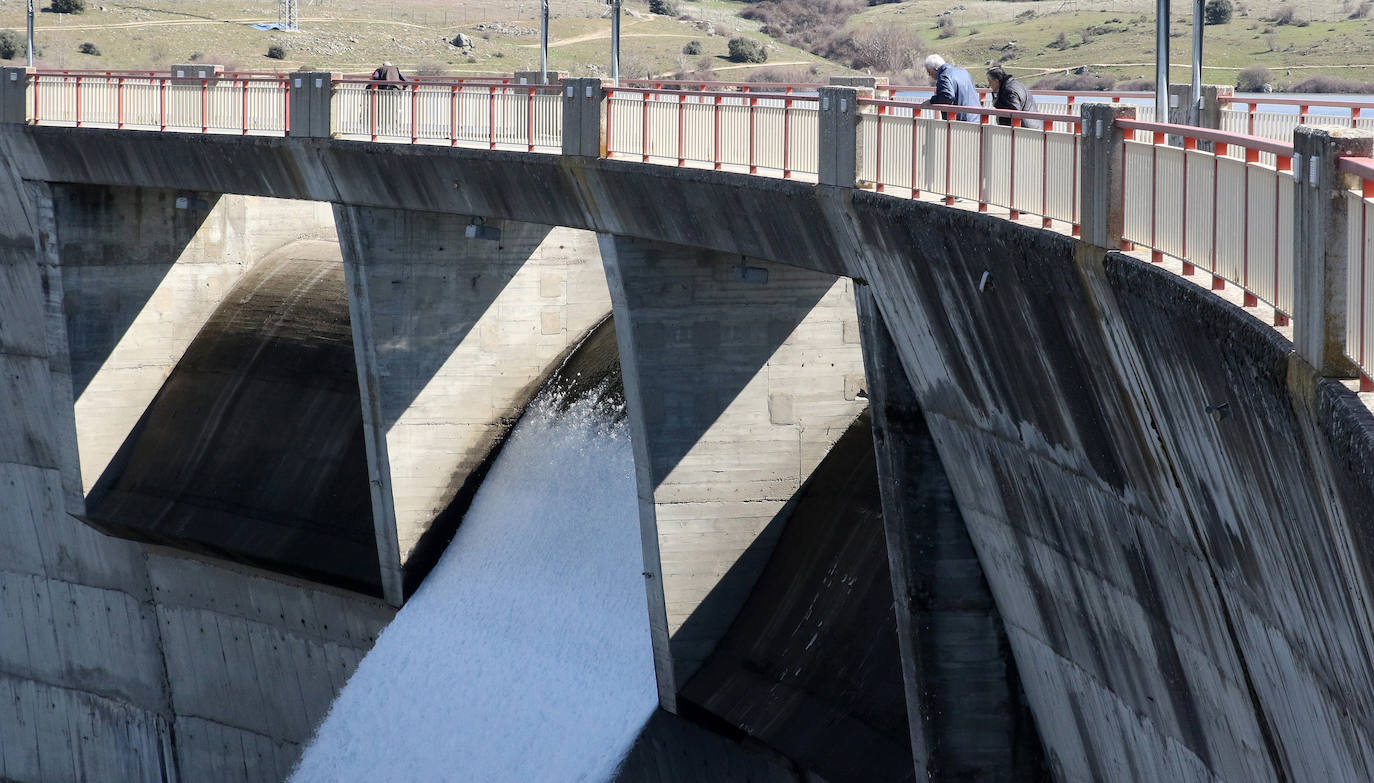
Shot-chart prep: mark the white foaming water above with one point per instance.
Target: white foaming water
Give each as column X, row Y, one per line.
column 525, row 655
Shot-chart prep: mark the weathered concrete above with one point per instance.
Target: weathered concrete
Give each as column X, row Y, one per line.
column 253, row 661
column 253, row 448
column 1102, row 209
column 1321, row 244
column 739, row 375
column 1183, row 582
column 966, row 711
column 811, row 667
column 139, row 273
column 452, row 335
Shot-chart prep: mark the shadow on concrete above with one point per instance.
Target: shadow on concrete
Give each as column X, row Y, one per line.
column 811, row 666
column 673, row 749
column 428, row 285
column 253, row 448
column 116, row 245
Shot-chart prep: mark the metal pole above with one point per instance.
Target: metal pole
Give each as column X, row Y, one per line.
column 1195, row 108
column 544, row 45
column 615, row 42
column 1161, row 60
column 30, row 33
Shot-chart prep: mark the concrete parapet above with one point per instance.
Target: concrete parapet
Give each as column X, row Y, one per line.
column 582, row 117
column 455, row 320
column 870, row 82
column 738, row 379
column 1321, row 244
column 14, row 86
column 196, row 72
column 1102, row 208
column 311, row 92
column 840, row 141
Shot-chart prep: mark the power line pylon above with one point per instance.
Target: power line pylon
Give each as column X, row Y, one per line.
column 289, row 18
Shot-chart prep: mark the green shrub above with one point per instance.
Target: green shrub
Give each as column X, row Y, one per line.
column 11, row 45
column 1216, row 12
column 89, row 48
column 1253, row 79
column 276, row 52
column 68, row 6
column 663, row 7
column 692, row 47
column 747, row 50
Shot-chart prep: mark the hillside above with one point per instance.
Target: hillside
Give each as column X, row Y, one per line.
column 1112, row 38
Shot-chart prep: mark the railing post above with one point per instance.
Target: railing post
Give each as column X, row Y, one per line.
column 582, row 117
column 535, row 77
column 310, row 99
column 1320, row 244
column 1101, row 185
column 840, row 140
column 14, row 87
column 1183, row 110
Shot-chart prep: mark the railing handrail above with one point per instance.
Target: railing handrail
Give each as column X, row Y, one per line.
column 162, row 77
column 409, row 83
column 610, row 90
column 1257, row 143
column 985, row 111
column 1284, row 101
column 1359, row 167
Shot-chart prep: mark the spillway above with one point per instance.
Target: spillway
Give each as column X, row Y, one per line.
column 525, row 655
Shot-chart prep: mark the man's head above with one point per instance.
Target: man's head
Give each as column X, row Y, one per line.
column 386, row 65
column 996, row 75
column 933, row 64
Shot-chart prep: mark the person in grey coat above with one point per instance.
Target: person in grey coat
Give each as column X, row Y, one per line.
column 1008, row 93
column 953, row 87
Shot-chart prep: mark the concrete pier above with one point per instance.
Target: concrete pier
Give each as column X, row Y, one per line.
column 739, row 376
column 455, row 321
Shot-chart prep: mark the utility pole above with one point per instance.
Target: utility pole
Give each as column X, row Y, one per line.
column 544, row 43
column 1161, row 60
column 1195, row 110
column 615, row 41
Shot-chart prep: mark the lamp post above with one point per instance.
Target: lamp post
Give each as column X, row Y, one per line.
column 1162, row 61
column 30, row 33
column 544, row 43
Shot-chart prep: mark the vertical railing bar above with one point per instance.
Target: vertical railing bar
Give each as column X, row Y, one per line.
column 644, row 127
column 878, row 171
column 78, row 101
column 244, row 112
column 753, row 104
column 715, row 150
column 204, row 105
column 162, row 104
column 119, row 103
column 491, row 118
column 681, row 121
column 453, row 115
column 531, row 119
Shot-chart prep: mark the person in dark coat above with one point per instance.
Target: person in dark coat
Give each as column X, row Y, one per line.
column 389, row 74
column 1008, row 93
column 953, row 87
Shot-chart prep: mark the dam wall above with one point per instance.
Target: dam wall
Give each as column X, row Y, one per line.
column 1170, row 510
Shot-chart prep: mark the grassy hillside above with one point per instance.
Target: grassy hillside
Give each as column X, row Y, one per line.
column 1034, row 39
column 1117, row 38
column 355, row 35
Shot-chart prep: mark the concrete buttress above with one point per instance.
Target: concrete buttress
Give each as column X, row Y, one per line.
column 739, row 376
column 452, row 334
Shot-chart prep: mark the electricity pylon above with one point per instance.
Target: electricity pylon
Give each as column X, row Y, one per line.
column 289, row 18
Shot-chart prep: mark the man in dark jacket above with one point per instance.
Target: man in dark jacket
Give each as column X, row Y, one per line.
column 953, row 86
column 1008, row 93
column 390, row 75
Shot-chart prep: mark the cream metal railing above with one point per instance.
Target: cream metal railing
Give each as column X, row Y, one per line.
column 913, row 149
column 1360, row 277
column 757, row 133
column 494, row 116
column 1224, row 211
column 235, row 104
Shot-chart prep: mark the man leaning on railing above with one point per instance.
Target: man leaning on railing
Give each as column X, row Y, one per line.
column 1008, row 93
column 953, row 87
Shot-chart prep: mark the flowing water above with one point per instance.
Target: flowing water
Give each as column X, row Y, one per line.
column 525, row 655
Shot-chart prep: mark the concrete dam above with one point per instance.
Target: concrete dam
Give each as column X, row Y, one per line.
column 919, row 492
